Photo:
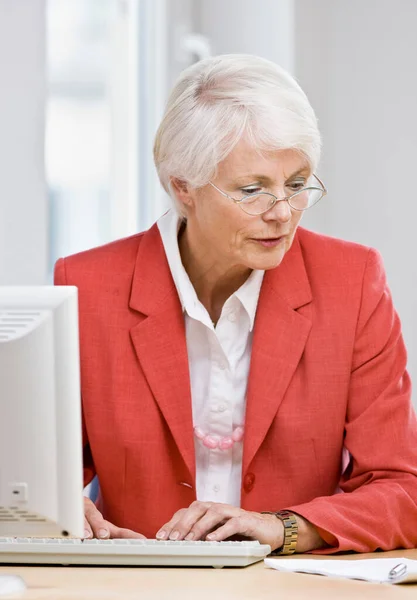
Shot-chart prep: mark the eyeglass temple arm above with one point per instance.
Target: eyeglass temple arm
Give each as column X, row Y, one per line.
column 223, row 193
column 321, row 183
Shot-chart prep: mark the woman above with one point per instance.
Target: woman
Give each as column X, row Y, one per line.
column 230, row 358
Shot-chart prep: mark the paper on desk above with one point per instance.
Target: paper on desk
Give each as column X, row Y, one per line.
column 370, row 569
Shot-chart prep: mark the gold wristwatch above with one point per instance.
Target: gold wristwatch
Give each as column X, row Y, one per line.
column 290, row 531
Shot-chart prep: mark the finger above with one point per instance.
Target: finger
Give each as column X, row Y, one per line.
column 168, row 528
column 182, row 521
column 87, row 530
column 242, row 525
column 215, row 517
column 201, row 518
column 184, row 527
column 98, row 525
column 211, row 521
column 122, row 533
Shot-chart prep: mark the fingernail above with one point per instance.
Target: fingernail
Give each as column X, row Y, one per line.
column 87, row 534
column 174, row 535
column 190, row 536
column 161, row 535
column 103, row 533
column 210, row 536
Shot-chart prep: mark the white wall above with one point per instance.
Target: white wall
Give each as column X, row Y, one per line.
column 23, row 201
column 263, row 27
column 357, row 62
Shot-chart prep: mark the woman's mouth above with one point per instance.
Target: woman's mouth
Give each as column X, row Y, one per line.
column 269, row 242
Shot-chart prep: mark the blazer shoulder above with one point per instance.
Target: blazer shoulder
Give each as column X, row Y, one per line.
column 109, row 260
column 331, row 262
column 325, row 250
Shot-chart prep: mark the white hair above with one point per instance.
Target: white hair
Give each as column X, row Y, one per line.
column 216, row 102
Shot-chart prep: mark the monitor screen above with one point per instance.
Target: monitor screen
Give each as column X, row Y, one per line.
column 41, row 483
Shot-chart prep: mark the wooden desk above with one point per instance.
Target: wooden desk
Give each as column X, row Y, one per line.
column 255, row 582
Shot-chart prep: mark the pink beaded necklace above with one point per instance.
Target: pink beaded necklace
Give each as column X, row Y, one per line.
column 222, row 443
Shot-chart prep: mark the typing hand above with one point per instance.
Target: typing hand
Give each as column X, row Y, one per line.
column 213, row 521
column 96, row 526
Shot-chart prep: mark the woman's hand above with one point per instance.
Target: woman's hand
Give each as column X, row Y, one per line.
column 213, row 521
column 96, row 526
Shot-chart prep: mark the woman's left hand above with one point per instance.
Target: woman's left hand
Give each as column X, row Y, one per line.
column 213, row 521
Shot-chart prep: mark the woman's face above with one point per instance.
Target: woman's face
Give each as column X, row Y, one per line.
column 228, row 236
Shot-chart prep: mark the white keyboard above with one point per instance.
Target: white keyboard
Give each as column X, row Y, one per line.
column 68, row 551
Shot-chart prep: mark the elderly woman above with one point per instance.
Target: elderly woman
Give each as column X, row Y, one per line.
column 242, row 375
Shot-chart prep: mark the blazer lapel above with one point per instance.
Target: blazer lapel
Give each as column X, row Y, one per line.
column 280, row 335
column 160, row 343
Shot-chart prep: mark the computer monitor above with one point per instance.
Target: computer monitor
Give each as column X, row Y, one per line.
column 41, row 484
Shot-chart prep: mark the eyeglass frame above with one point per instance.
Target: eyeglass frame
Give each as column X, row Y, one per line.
column 323, row 189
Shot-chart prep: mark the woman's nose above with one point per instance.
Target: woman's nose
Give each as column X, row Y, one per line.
column 281, row 211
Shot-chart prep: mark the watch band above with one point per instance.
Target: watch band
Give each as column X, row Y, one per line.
column 290, row 531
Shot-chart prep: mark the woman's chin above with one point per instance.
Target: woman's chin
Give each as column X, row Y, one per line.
column 267, row 261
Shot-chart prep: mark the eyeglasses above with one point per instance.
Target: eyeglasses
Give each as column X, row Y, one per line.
column 257, row 204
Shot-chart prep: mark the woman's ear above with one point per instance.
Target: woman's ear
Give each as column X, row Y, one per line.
column 182, row 191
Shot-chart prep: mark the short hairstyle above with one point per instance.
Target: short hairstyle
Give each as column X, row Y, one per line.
column 219, row 100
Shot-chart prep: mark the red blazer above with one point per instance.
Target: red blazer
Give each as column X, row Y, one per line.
column 327, row 370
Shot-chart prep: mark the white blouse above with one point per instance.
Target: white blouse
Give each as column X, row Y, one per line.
column 219, row 359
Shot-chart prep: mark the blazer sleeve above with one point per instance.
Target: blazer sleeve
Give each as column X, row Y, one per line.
column 60, row 278
column 378, row 504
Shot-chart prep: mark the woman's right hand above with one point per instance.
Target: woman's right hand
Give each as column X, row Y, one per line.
column 97, row 527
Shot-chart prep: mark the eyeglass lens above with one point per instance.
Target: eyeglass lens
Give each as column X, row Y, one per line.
column 259, row 203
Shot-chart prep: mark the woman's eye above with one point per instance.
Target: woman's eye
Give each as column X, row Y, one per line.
column 296, row 186
column 251, row 190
